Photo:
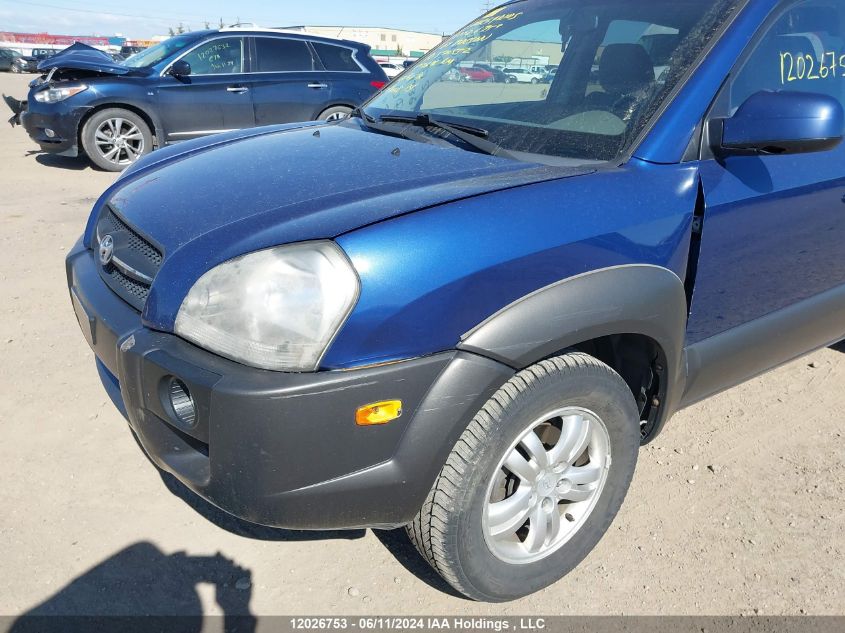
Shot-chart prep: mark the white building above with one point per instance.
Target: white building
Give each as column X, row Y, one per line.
column 385, row 42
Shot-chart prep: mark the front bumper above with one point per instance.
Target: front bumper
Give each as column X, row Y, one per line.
column 61, row 119
column 282, row 449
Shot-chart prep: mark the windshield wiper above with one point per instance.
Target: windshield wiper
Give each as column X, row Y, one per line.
column 473, row 136
column 424, row 120
column 372, row 124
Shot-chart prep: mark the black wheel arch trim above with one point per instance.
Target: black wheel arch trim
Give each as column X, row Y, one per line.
column 640, row 299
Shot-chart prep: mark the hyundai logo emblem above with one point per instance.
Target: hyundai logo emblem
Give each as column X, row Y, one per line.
column 106, row 250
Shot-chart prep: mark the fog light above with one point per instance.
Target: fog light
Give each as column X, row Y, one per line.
column 50, row 133
column 182, row 403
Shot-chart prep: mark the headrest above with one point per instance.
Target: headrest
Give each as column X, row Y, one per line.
column 625, row 68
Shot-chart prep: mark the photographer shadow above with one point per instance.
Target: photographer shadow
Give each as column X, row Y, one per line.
column 395, row 541
column 141, row 588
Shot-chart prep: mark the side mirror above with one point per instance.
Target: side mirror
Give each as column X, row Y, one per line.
column 180, row 69
column 782, row 123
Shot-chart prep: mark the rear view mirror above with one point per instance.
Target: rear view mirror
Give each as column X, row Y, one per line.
column 180, row 68
column 783, row 123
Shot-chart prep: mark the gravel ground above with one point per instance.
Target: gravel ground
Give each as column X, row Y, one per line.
column 736, row 509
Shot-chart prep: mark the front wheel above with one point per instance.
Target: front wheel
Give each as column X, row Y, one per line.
column 535, row 81
column 338, row 113
column 115, row 138
column 534, row 482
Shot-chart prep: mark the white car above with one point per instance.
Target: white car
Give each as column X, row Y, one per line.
column 391, row 70
column 523, row 75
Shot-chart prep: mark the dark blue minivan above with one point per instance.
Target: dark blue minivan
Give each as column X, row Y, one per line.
column 470, row 326
column 192, row 85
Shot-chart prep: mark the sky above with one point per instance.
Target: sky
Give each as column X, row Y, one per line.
column 154, row 17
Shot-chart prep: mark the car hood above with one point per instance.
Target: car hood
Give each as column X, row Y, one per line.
column 307, row 183
column 83, row 57
column 267, row 188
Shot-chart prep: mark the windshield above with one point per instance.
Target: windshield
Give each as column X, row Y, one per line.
column 159, row 52
column 616, row 62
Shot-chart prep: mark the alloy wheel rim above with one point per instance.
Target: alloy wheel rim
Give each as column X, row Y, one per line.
column 546, row 486
column 119, row 141
column 337, row 116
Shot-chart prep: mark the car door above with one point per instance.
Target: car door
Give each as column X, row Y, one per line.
column 286, row 83
column 774, row 225
column 215, row 97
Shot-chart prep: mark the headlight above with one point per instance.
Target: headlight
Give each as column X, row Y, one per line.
column 54, row 95
column 277, row 309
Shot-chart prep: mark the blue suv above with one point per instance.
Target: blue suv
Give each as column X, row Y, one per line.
column 193, row 85
column 470, row 326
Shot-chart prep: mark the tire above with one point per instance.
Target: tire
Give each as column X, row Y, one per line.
column 535, row 81
column 337, row 113
column 135, row 138
column 451, row 530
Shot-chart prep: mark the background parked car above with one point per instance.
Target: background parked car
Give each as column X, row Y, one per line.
column 24, row 64
column 128, row 51
column 549, row 76
column 476, row 74
column 524, row 76
column 43, row 53
column 13, row 61
column 391, row 70
column 193, row 85
column 29, row 63
column 498, row 76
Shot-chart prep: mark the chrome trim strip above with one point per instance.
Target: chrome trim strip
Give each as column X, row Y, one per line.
column 131, row 272
column 202, row 132
column 223, row 34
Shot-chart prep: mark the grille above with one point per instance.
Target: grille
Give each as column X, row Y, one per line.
column 112, row 224
column 134, row 257
column 137, row 290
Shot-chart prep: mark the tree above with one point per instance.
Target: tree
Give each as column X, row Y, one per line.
column 221, row 23
column 171, row 32
column 207, row 25
column 181, row 28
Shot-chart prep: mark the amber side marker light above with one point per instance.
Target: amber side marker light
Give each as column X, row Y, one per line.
column 378, row 413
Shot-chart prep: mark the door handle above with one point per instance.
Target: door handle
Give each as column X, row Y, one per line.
column 318, row 86
column 238, row 90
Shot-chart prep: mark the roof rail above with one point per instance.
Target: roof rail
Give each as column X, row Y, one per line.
column 247, row 26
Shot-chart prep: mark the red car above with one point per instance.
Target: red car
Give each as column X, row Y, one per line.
column 475, row 74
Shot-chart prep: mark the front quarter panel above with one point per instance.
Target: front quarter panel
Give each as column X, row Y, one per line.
column 429, row 277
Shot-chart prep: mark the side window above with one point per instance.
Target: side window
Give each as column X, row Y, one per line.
column 336, row 58
column 279, row 55
column 223, row 56
column 803, row 51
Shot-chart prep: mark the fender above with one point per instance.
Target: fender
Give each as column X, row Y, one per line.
column 629, row 299
column 128, row 103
